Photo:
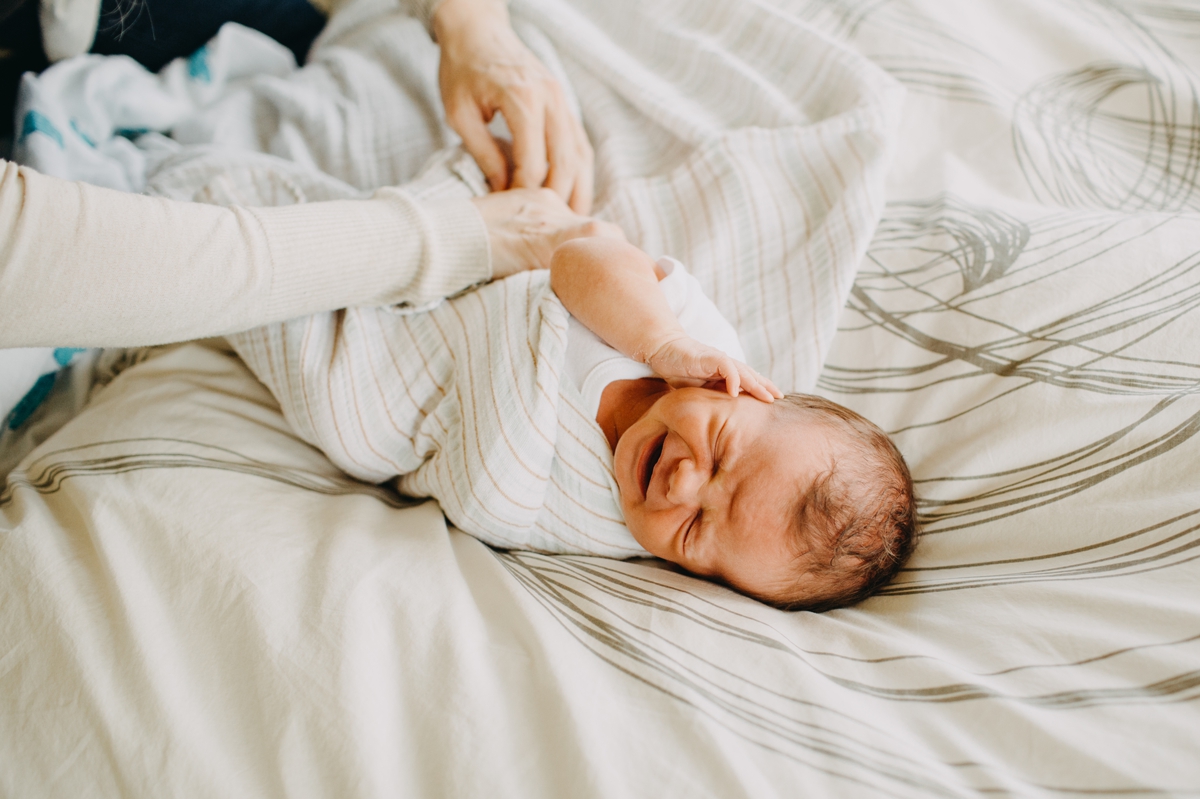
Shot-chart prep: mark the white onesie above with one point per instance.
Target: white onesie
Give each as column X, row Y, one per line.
column 592, row 364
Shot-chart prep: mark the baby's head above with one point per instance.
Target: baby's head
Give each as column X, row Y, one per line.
column 800, row 503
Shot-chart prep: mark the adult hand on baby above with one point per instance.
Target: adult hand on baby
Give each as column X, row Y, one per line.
column 684, row 361
column 485, row 68
column 526, row 225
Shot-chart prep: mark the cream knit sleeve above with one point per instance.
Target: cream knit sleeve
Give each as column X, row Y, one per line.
column 85, row 266
column 421, row 9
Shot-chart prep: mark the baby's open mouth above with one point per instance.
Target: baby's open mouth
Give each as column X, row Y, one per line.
column 649, row 460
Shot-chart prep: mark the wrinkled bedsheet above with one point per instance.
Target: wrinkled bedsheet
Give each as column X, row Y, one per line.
column 197, row 603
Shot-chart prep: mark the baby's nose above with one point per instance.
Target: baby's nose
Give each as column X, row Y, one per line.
column 685, row 483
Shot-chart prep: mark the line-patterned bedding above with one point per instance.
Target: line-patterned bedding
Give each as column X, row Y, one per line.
column 197, row 603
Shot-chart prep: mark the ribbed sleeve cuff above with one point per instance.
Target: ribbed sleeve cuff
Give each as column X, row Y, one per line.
column 381, row 251
column 458, row 255
column 423, row 10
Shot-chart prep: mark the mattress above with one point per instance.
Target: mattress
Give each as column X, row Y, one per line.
column 198, row 603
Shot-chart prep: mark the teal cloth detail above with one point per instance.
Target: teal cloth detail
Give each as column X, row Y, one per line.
column 198, row 65
column 31, row 401
column 36, row 122
column 63, row 355
column 86, row 138
column 130, row 133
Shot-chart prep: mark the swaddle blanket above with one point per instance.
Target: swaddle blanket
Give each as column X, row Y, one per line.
column 468, row 402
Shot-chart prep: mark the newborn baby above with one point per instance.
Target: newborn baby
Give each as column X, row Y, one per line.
column 800, row 503
column 629, row 427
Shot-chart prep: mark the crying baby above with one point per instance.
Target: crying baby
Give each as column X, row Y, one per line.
column 604, row 409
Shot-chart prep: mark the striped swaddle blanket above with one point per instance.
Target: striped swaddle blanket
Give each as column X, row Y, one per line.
column 468, row 403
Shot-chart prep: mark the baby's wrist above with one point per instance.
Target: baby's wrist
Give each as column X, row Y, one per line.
column 653, row 344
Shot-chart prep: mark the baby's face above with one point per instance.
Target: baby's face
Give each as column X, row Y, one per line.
column 712, row 483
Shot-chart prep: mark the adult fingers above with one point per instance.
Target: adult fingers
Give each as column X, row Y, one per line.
column 569, row 155
column 524, row 111
column 582, row 192
column 591, row 229
column 468, row 121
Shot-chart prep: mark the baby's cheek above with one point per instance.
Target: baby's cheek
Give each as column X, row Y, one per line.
column 636, row 528
column 643, row 532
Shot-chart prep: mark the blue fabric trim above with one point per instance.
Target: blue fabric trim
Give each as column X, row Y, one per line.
column 31, row 401
column 198, row 65
column 86, row 138
column 63, row 355
column 36, row 122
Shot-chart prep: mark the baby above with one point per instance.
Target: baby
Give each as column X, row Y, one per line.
column 800, row 503
column 630, row 427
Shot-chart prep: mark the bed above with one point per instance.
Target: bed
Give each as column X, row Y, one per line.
column 197, row 603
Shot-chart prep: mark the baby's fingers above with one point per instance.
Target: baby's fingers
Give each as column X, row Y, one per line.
column 769, row 386
column 729, row 370
column 758, row 386
column 758, row 391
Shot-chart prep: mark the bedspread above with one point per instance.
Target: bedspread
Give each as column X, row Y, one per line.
column 196, row 602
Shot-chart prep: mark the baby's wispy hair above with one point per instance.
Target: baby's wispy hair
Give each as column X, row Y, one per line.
column 858, row 519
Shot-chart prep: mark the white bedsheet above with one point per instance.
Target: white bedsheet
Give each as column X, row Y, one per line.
column 197, row 603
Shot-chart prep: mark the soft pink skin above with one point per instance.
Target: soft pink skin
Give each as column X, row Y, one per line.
column 722, row 495
column 611, row 287
column 484, row 69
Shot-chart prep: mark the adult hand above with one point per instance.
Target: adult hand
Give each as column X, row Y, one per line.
column 485, row 68
column 526, row 225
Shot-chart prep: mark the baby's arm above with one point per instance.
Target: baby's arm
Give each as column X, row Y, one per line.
column 612, row 288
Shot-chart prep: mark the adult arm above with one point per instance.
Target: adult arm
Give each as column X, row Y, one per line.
column 86, row 266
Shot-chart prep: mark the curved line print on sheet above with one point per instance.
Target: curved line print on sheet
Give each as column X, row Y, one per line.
column 939, row 272
column 940, row 70
column 949, row 256
column 46, row 475
column 1179, row 18
column 1119, row 135
column 942, row 79
column 597, row 602
column 544, row 574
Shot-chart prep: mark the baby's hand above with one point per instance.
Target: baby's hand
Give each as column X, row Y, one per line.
column 684, row 361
